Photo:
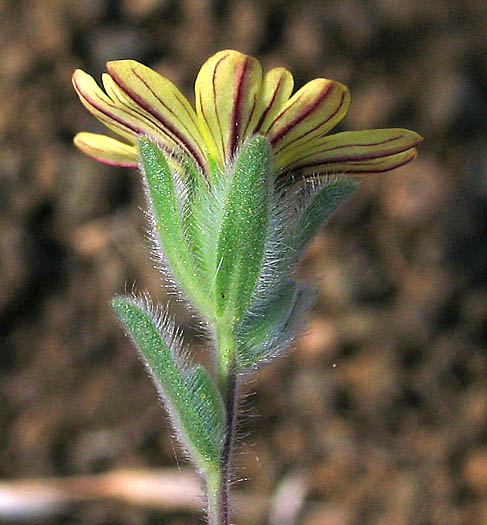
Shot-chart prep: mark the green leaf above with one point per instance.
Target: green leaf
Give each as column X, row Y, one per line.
column 243, row 233
column 189, row 393
column 323, row 203
column 202, row 219
column 168, row 209
column 269, row 331
column 265, row 318
column 206, row 397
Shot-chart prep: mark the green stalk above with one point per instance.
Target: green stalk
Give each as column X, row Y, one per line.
column 213, row 487
column 239, row 258
column 228, row 386
column 226, row 358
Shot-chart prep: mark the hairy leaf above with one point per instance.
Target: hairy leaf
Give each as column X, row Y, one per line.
column 244, row 228
column 167, row 196
column 189, row 393
column 322, row 204
column 271, row 329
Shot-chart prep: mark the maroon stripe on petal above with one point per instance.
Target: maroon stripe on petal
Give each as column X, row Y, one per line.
column 380, row 143
column 357, row 160
column 406, row 160
column 369, row 155
column 110, row 116
column 203, row 114
column 237, row 110
column 264, row 113
column 111, row 120
column 319, row 125
column 140, row 101
column 213, row 82
column 330, row 117
column 254, row 103
column 380, row 169
column 307, row 110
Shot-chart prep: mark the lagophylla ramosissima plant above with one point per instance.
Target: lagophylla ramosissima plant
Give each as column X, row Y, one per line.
column 236, row 189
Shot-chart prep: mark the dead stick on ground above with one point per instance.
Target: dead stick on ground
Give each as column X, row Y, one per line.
column 166, row 490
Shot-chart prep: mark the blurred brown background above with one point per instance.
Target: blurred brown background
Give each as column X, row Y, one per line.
column 379, row 416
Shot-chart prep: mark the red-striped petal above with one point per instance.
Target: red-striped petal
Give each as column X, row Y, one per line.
column 354, row 149
column 157, row 100
column 226, row 91
column 107, row 150
column 275, row 92
column 123, row 115
column 309, row 114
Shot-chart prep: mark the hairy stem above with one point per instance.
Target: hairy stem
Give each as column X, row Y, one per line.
column 227, row 382
column 231, row 404
column 226, row 358
column 213, row 485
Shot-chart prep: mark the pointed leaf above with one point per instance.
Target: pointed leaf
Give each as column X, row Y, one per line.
column 269, row 332
column 168, row 212
column 322, row 204
column 243, row 231
column 194, row 411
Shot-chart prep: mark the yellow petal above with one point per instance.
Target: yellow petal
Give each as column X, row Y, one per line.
column 107, row 150
column 226, row 92
column 103, row 108
column 310, row 113
column 275, row 92
column 361, row 167
column 353, row 147
column 159, row 101
column 122, row 115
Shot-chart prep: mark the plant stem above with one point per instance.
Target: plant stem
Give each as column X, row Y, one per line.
column 226, row 358
column 227, row 382
column 213, row 485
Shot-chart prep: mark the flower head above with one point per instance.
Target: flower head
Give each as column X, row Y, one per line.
column 234, row 101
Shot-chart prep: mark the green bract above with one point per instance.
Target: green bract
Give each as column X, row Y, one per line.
column 230, row 241
column 168, row 204
column 243, row 231
column 190, row 395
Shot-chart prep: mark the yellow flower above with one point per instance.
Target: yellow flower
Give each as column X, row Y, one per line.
column 234, row 101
